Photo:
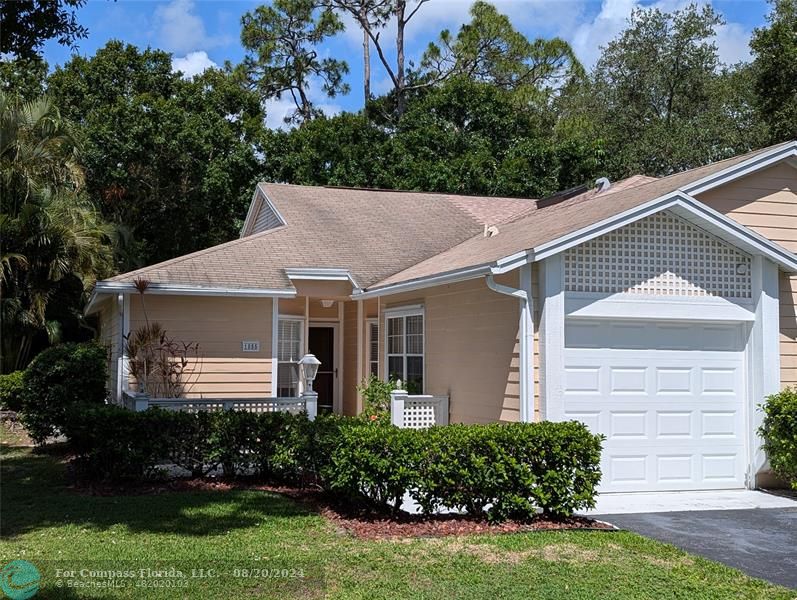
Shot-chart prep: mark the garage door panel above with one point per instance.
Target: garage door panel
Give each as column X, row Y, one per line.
column 672, row 413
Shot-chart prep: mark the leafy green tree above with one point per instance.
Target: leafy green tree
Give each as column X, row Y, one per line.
column 489, row 49
column 282, row 58
column 27, row 24
column 54, row 243
column 660, row 97
column 342, row 150
column 172, row 160
column 775, row 66
column 23, row 77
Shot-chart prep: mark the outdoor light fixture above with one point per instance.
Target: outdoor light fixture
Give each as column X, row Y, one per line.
column 327, row 303
column 308, row 367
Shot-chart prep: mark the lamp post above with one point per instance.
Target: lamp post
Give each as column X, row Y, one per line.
column 308, row 367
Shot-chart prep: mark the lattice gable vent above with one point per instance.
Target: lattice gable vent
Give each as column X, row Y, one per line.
column 660, row 255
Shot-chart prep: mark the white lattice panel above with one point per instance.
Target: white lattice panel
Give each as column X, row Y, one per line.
column 419, row 414
column 660, row 255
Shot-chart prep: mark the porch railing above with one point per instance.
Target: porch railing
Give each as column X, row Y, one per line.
column 417, row 412
column 141, row 402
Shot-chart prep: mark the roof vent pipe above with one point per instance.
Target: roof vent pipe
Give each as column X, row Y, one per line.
column 603, row 184
column 490, row 231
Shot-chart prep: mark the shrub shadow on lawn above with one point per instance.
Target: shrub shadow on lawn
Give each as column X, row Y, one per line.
column 35, row 494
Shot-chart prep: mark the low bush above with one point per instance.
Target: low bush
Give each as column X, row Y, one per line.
column 508, row 471
column 60, row 377
column 115, row 443
column 11, row 386
column 374, row 464
column 779, row 431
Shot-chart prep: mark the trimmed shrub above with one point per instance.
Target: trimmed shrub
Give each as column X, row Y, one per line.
column 504, row 471
column 779, row 430
column 11, row 387
column 510, row 470
column 111, row 442
column 374, row 464
column 60, row 377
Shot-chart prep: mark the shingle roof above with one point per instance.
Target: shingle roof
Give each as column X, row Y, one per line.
column 543, row 225
column 371, row 233
column 386, row 237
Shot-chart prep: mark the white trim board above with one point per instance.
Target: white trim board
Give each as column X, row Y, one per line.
column 108, row 287
column 649, row 307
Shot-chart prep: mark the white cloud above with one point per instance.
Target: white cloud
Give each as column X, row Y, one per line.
column 612, row 19
column 733, row 43
column 181, row 31
column 192, row 63
column 277, row 110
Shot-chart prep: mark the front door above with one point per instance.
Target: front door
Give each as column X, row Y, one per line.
column 321, row 342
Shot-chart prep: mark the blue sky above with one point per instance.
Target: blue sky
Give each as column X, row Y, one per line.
column 201, row 33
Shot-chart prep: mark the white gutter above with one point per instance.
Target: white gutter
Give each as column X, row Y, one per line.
column 108, row 287
column 526, row 336
column 425, row 282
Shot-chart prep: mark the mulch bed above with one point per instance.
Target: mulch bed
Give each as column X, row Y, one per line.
column 363, row 525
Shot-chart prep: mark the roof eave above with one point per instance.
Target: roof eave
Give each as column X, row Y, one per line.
column 115, row 287
column 757, row 162
column 687, row 207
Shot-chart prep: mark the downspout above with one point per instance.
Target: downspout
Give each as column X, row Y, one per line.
column 526, row 334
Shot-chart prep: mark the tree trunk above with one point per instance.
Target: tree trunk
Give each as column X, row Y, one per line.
column 366, row 68
column 401, row 104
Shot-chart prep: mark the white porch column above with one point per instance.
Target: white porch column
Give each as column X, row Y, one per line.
column 552, row 337
column 275, row 312
column 397, row 399
column 764, row 355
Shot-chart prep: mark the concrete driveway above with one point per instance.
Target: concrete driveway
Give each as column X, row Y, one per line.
column 762, row 542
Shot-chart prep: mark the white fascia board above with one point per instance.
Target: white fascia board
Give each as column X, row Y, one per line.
column 92, row 304
column 250, row 214
column 510, row 263
column 755, row 163
column 581, row 305
column 321, row 274
column 108, row 287
column 425, row 282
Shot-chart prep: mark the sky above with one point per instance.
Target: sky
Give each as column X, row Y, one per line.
column 204, row 33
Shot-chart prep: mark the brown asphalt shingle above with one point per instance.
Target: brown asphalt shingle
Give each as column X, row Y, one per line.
column 372, row 233
column 388, row 237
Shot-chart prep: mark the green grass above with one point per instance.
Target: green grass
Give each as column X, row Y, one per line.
column 51, row 525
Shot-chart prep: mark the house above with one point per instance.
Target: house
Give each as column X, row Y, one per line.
column 660, row 312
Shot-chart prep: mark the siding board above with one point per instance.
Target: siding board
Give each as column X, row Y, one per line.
column 766, row 202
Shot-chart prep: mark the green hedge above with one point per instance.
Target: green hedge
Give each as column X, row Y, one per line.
column 11, row 387
column 57, row 379
column 504, row 471
column 115, row 443
column 510, row 470
column 779, row 430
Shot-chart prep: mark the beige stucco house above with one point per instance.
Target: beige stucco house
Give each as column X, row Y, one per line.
column 660, row 312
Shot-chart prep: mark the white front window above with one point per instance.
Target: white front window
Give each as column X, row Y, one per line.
column 373, row 348
column 404, row 344
column 289, row 351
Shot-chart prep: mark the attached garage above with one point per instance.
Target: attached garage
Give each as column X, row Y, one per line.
column 668, row 396
column 661, row 335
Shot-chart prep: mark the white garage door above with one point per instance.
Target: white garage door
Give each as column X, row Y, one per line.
column 668, row 397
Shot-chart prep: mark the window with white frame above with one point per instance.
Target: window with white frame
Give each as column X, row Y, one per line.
column 373, row 347
column 289, row 351
column 404, row 345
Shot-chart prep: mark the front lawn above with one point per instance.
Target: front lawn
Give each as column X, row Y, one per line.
column 240, row 534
